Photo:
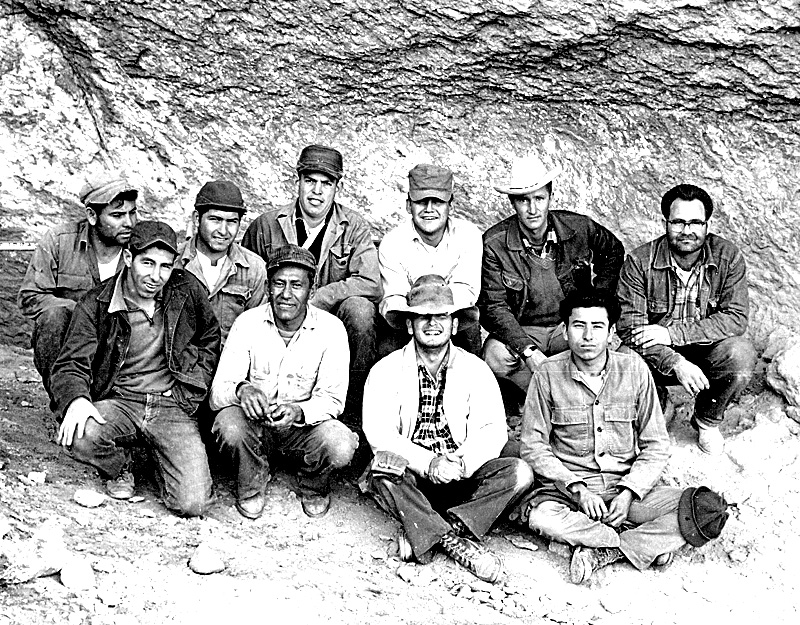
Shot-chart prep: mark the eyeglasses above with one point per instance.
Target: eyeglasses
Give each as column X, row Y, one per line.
column 680, row 224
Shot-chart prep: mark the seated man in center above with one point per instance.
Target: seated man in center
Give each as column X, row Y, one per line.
column 280, row 386
column 434, row 417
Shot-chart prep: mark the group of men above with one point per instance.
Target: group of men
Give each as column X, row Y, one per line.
column 306, row 337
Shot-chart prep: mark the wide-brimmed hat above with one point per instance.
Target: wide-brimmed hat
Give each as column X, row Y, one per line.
column 321, row 158
column 702, row 514
column 430, row 295
column 527, row 174
column 220, row 194
column 104, row 188
column 426, row 181
column 149, row 233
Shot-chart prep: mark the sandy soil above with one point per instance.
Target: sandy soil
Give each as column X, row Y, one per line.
column 343, row 568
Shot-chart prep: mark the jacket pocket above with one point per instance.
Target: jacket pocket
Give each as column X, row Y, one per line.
column 73, row 285
column 340, row 262
column 515, row 287
column 619, row 421
column 233, row 299
column 657, row 309
column 571, row 430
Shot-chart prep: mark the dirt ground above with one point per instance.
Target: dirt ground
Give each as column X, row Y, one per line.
column 342, row 568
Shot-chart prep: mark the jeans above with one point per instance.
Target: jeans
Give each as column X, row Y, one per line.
column 358, row 316
column 426, row 510
column 315, row 450
column 49, row 332
column 728, row 365
column 506, row 364
column 651, row 527
column 172, row 435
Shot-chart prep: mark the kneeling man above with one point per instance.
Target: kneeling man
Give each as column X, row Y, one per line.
column 434, row 417
column 280, row 386
column 594, row 434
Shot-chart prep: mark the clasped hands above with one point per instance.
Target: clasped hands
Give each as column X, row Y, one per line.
column 445, row 469
column 256, row 406
column 593, row 506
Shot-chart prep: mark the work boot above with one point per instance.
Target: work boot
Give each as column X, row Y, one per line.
column 587, row 560
column 122, row 487
column 252, row 507
column 315, row 505
column 481, row 562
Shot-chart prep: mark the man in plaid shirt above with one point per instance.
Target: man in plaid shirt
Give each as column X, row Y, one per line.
column 685, row 308
column 434, row 417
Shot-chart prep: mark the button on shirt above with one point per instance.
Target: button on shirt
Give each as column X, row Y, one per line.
column 570, row 434
column 311, row 371
column 403, row 257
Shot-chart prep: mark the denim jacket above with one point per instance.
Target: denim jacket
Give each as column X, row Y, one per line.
column 348, row 261
column 647, row 288
column 97, row 342
column 240, row 289
column 569, row 433
column 584, row 247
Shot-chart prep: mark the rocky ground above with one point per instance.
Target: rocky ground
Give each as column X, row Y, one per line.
column 127, row 562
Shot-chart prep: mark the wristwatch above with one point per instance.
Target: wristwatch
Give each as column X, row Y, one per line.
column 529, row 351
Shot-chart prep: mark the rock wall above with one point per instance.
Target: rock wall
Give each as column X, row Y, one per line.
column 629, row 97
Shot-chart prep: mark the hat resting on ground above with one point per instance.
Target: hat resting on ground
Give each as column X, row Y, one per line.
column 702, row 514
column 291, row 255
column 426, row 181
column 321, row 158
column 104, row 188
column 527, row 174
column 149, row 233
column 430, row 295
column 220, row 194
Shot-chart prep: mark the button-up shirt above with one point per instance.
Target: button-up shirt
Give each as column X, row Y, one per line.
column 570, row 434
column 403, row 257
column 241, row 286
column 311, row 371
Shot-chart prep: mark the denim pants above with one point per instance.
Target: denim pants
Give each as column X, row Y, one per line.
column 358, row 316
column 314, row 450
column 426, row 510
column 49, row 332
column 728, row 365
column 171, row 434
column 650, row 530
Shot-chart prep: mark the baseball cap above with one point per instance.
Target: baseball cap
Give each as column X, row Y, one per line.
column 149, row 233
column 430, row 181
column 321, row 158
column 220, row 194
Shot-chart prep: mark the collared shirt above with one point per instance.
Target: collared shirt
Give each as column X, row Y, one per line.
column 63, row 268
column 431, row 430
column 311, row 371
column 403, row 257
column 687, row 292
column 241, row 286
column 570, row 434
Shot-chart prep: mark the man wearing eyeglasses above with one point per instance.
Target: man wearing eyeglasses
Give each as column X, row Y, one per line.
column 685, row 309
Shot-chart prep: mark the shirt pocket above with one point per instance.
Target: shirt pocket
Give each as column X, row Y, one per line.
column 233, row 299
column 619, row 421
column 571, row 430
column 657, row 309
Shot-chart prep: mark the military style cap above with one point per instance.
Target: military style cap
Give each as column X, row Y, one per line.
column 149, row 233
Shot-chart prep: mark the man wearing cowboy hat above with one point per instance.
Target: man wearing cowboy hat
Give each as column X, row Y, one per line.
column 234, row 276
column 531, row 261
column 73, row 258
column 434, row 418
column 348, row 281
column 432, row 242
column 280, row 387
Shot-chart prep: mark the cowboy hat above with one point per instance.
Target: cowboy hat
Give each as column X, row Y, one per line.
column 527, row 174
column 430, row 295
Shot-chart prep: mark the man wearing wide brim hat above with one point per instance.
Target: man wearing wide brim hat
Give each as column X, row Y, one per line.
column 434, row 418
column 531, row 260
column 234, row 276
column 73, row 258
column 348, row 282
column 431, row 242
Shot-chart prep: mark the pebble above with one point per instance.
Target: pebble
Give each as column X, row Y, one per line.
column 77, row 574
column 37, row 477
column 378, row 555
column 483, row 597
column 5, row 526
column 88, row 498
column 522, row 543
column 205, row 560
column 136, row 499
column 738, row 554
column 148, row 513
column 406, row 572
column 25, row 404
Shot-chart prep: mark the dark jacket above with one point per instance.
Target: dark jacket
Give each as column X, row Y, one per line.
column 584, row 246
column 647, row 289
column 97, row 342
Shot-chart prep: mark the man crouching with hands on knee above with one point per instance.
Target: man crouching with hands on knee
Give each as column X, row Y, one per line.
column 280, row 386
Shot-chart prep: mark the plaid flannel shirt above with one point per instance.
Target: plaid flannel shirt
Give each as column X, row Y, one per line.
column 431, row 430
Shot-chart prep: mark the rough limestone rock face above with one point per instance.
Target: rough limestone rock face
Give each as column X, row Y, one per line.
column 783, row 372
column 629, row 97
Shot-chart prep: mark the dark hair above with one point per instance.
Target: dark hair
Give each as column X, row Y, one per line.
column 687, row 193
column 590, row 298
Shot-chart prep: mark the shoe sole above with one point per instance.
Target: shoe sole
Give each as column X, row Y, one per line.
column 577, row 568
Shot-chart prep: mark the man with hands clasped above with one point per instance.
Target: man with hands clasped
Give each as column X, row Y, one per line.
column 280, row 387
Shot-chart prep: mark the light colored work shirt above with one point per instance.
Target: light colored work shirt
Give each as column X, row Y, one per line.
column 310, row 371
column 403, row 257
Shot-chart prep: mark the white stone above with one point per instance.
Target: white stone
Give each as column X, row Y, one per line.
column 206, row 560
column 88, row 498
column 77, row 574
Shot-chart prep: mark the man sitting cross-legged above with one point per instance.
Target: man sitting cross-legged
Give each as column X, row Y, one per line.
column 594, row 434
column 434, row 417
column 280, row 386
